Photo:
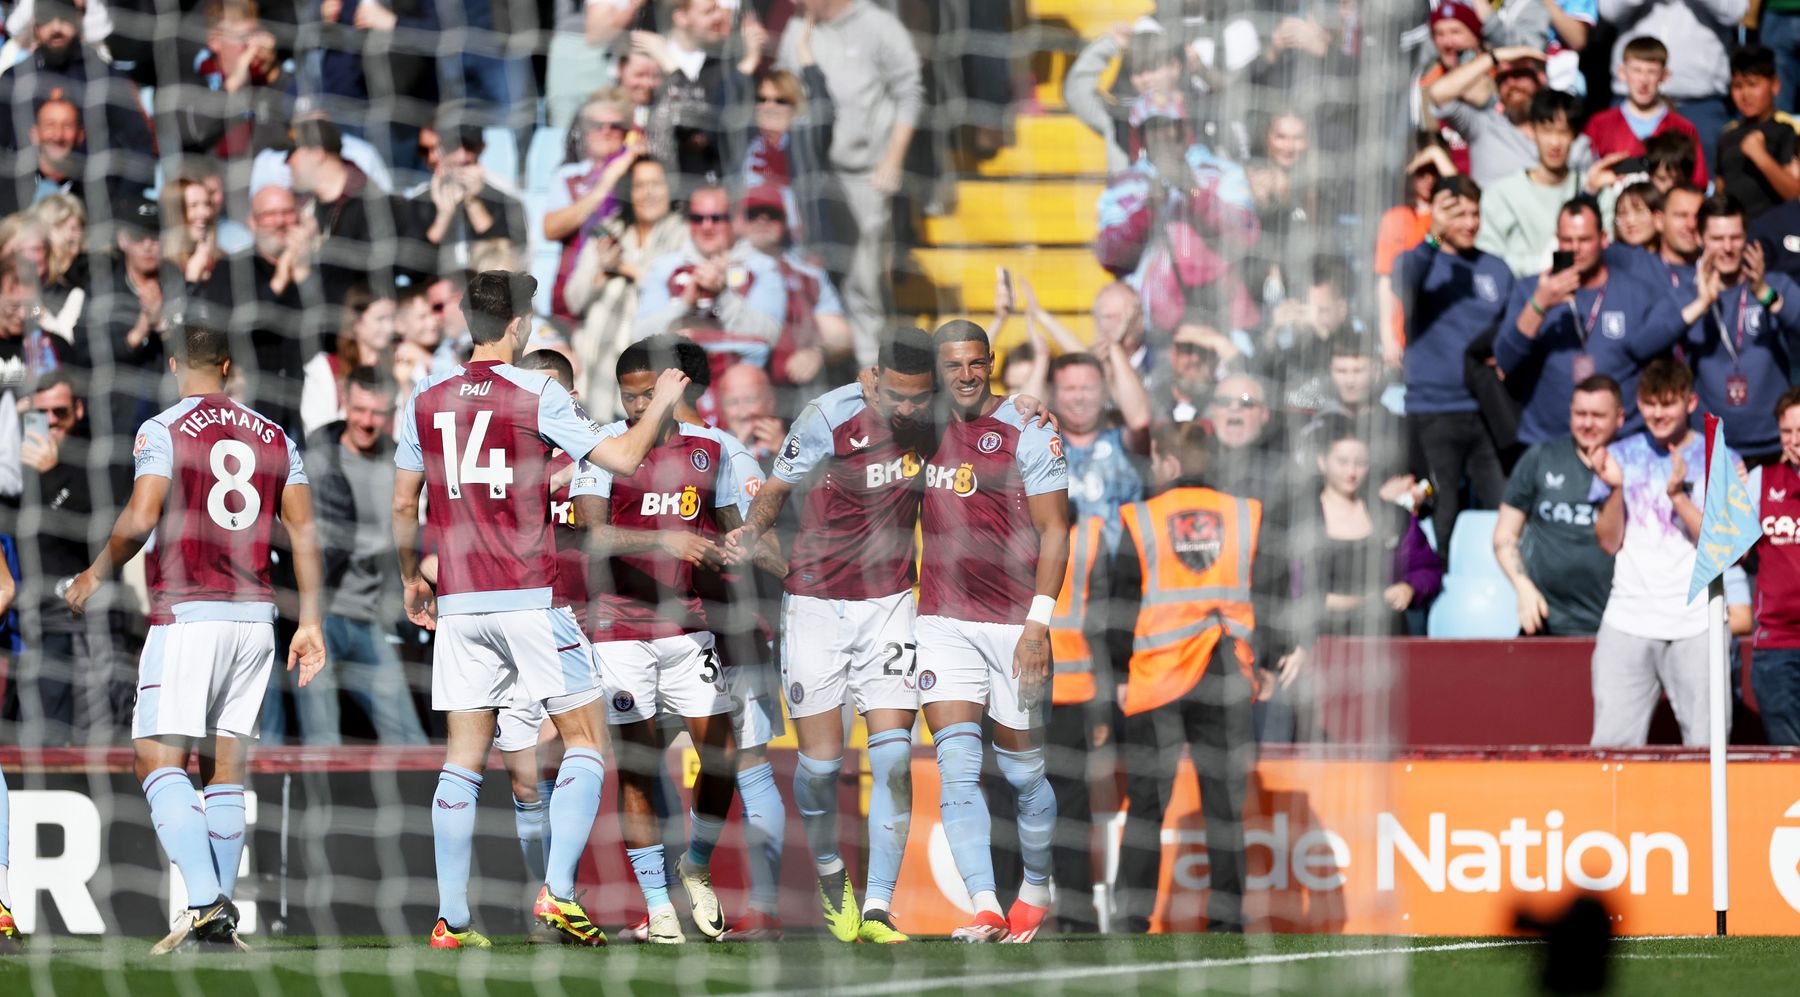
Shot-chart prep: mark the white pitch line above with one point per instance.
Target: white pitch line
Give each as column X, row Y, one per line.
column 1086, row 972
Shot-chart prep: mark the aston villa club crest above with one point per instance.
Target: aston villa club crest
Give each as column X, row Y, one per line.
column 701, row 461
column 622, row 701
column 1197, row 536
column 1612, row 325
column 989, row 442
column 1486, row 288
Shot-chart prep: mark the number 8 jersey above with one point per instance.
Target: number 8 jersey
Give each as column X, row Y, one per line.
column 482, row 436
column 227, row 466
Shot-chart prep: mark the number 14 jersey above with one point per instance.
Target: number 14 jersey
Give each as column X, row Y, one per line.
column 227, row 466
column 482, row 435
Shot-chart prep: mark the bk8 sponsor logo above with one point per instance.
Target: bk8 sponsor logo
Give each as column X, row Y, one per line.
column 685, row 503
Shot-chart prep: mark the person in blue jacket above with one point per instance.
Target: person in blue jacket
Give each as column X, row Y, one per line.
column 1451, row 293
column 1570, row 323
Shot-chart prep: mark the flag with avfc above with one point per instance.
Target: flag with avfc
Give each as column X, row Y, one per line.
column 1729, row 525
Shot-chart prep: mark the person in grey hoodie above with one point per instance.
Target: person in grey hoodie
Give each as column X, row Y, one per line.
column 872, row 72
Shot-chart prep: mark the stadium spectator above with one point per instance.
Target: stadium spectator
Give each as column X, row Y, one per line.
column 191, row 242
column 1651, row 636
column 266, row 291
column 1559, row 28
column 376, row 70
column 1544, row 538
column 356, row 228
column 684, row 127
column 75, row 683
column 1455, row 36
column 1152, row 63
column 872, row 72
column 1645, row 113
column 1354, row 381
column 1103, row 414
column 1738, row 346
column 1519, row 210
column 581, row 34
column 461, row 207
column 583, row 193
column 1284, row 187
column 747, row 410
column 1172, row 223
column 731, row 285
column 1194, row 688
column 815, row 332
column 62, row 284
column 1677, row 247
column 1637, row 217
column 1496, row 119
column 1756, row 153
column 1118, row 318
column 781, row 131
column 238, row 96
column 1402, row 227
column 1565, row 325
column 132, row 297
column 1452, row 294
column 1293, row 355
column 1775, row 667
column 116, row 142
column 365, row 338
column 1181, row 389
column 57, row 166
column 351, row 466
column 1705, row 32
column 1354, row 530
column 603, row 289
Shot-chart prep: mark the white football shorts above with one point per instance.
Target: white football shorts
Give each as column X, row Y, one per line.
column 203, row 677
column 967, row 662
column 858, row 651
column 487, row 661
column 680, row 675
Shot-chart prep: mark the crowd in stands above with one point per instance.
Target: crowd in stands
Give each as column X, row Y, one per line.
column 1596, row 235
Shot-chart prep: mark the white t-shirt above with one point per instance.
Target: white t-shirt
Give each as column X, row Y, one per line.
column 1650, row 576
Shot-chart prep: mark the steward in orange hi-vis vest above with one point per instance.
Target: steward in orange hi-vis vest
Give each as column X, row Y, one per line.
column 1196, row 603
column 1071, row 657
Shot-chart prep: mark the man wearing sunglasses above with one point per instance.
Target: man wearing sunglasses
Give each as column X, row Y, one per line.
column 716, row 277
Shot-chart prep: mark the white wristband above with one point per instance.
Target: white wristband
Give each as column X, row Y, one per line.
column 1042, row 606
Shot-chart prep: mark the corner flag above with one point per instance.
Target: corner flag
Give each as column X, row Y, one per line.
column 1728, row 526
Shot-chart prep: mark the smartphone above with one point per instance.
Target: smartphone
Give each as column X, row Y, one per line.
column 1560, row 261
column 37, row 422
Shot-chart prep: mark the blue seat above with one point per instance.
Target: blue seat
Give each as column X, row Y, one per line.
column 1474, row 608
column 501, row 156
column 1472, row 546
column 544, row 157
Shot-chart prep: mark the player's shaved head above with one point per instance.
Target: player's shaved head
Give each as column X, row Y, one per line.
column 493, row 300
column 961, row 331
column 908, row 350
column 553, row 363
column 202, row 347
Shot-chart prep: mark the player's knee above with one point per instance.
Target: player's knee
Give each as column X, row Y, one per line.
column 815, row 778
column 959, row 754
column 1024, row 770
column 890, row 762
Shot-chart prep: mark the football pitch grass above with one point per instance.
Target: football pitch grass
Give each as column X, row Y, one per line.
column 1185, row 964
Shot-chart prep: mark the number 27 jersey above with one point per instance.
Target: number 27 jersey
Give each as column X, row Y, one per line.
column 227, row 466
column 482, row 435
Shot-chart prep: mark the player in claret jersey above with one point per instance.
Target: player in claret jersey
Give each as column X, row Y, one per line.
column 476, row 440
column 656, row 653
column 996, row 537
column 847, row 619
column 212, row 476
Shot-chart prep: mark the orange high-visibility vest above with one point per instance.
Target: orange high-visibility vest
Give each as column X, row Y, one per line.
column 1073, row 681
column 1196, row 547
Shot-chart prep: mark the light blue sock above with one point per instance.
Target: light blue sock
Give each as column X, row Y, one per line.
column 532, row 821
column 546, row 793
column 890, row 810
column 225, row 831
column 664, row 802
column 572, row 810
column 815, row 796
column 181, row 827
column 5, row 842
column 1024, row 771
column 962, row 810
column 703, row 838
column 765, row 831
column 453, row 840
column 652, row 876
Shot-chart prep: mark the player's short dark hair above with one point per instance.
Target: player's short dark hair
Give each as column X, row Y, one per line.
column 1595, row 383
column 1460, row 185
column 1581, row 204
column 553, row 363
column 1665, row 377
column 201, row 346
column 1548, row 105
column 664, row 351
column 907, row 350
column 371, row 379
column 960, row 330
column 1754, row 60
column 1788, row 399
column 1067, row 360
column 1720, row 205
column 493, row 299
column 1646, row 48
column 1190, row 443
column 1672, row 151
